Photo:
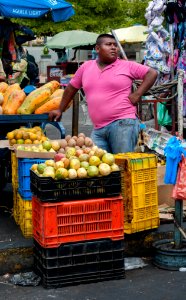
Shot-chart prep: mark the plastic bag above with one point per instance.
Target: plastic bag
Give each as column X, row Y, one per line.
column 25, row 279
column 179, row 190
column 163, row 116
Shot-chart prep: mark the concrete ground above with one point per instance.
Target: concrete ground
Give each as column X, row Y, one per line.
column 147, row 282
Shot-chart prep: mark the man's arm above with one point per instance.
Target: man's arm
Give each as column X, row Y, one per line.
column 146, row 84
column 68, row 95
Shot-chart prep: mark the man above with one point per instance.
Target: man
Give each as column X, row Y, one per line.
column 107, row 83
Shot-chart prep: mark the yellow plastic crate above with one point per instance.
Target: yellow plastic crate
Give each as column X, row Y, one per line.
column 14, row 162
column 16, row 211
column 25, row 220
column 139, row 191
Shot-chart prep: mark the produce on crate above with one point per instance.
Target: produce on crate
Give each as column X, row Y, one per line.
column 3, row 87
column 35, row 102
column 8, row 92
column 25, row 135
column 90, row 162
column 13, row 102
column 52, row 104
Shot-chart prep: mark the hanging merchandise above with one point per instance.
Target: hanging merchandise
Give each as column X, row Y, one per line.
column 12, row 46
column 173, row 152
column 163, row 116
column 182, row 61
column 175, row 11
column 179, row 191
column 158, row 41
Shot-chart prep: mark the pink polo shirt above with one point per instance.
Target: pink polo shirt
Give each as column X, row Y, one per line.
column 107, row 90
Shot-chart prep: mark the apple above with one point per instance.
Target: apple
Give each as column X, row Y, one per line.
column 59, row 156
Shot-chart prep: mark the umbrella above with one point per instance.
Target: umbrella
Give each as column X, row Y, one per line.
column 60, row 10
column 132, row 34
column 72, row 39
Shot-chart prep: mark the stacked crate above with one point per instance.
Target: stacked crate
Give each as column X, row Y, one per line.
column 22, row 196
column 139, row 191
column 15, row 180
column 77, row 229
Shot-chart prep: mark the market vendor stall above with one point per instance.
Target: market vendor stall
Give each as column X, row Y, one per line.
column 165, row 52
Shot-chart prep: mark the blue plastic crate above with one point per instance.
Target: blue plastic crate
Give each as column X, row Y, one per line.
column 24, row 165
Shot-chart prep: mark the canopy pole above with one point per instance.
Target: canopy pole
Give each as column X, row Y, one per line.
column 122, row 52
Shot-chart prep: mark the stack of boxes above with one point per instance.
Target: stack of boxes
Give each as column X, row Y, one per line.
column 77, row 229
column 22, row 196
column 139, row 191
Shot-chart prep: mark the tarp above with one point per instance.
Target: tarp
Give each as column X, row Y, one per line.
column 132, row 34
column 72, row 39
column 60, row 10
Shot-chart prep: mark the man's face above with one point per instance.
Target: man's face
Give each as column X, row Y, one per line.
column 107, row 50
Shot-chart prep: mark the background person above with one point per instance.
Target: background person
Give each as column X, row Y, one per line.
column 19, row 71
column 107, row 83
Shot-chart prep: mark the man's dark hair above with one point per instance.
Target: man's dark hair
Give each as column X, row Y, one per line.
column 102, row 36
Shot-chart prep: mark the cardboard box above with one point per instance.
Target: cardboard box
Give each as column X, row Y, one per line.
column 164, row 190
column 4, row 144
column 32, row 154
column 165, row 194
column 160, row 174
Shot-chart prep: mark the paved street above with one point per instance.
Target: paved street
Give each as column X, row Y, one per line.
column 141, row 284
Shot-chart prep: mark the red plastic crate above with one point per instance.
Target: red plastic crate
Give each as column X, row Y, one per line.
column 73, row 221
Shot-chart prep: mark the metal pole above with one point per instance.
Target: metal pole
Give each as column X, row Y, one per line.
column 179, row 221
column 75, row 115
column 122, row 52
column 180, row 101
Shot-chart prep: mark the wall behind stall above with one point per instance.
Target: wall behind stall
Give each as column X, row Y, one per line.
column 37, row 51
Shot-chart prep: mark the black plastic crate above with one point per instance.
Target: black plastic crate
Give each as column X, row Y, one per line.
column 48, row 189
column 76, row 263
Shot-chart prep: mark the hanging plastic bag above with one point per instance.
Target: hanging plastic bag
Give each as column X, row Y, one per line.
column 163, row 116
column 179, row 190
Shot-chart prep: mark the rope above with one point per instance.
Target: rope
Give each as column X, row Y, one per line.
column 155, row 90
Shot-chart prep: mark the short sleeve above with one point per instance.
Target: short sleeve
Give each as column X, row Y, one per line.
column 138, row 71
column 76, row 81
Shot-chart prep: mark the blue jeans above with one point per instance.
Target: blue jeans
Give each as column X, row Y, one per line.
column 120, row 136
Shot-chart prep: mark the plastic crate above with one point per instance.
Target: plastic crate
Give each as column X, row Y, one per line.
column 139, row 191
column 25, row 216
column 14, row 163
column 24, row 165
column 73, row 221
column 49, row 190
column 77, row 263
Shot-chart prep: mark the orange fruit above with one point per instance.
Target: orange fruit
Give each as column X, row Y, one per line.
column 33, row 136
column 44, row 138
column 26, row 135
column 12, row 142
column 36, row 142
column 28, row 141
column 37, row 128
column 18, row 135
column 10, row 135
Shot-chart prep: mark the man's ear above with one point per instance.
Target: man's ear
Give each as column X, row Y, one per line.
column 97, row 48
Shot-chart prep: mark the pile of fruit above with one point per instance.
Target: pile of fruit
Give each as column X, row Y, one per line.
column 25, row 135
column 77, row 163
column 13, row 99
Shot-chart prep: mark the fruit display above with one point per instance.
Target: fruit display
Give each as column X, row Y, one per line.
column 25, row 135
column 90, row 162
column 13, row 99
column 78, row 142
